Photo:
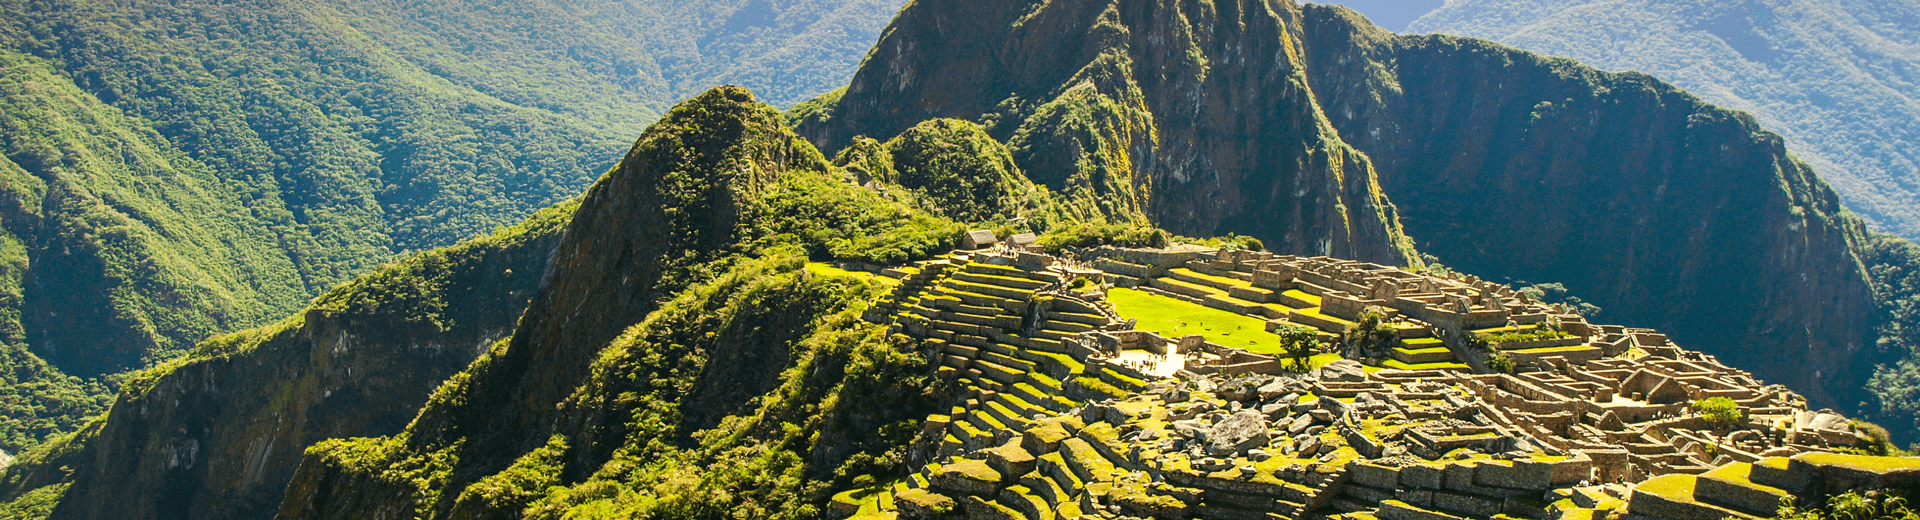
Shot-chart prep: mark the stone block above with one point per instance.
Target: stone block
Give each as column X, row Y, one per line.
column 1467, row 504
column 1010, row 459
column 1460, row 476
column 1375, row 475
column 1517, row 474
column 920, row 504
column 1397, row 510
column 1422, row 477
column 1368, row 494
column 1419, row 497
column 1524, row 507
column 967, row 477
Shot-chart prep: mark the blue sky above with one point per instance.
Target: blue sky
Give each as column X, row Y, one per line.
column 1392, row 15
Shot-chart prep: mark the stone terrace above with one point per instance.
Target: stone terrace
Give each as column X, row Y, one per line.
column 1067, row 413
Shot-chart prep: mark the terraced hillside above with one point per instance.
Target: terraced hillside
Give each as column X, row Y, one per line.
column 1070, row 410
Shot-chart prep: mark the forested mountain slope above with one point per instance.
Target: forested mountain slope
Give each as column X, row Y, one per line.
column 179, row 169
column 1840, row 80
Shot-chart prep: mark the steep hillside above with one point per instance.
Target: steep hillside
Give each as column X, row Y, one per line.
column 180, row 169
column 1196, row 117
column 217, row 434
column 1643, row 199
column 678, row 345
column 1839, row 80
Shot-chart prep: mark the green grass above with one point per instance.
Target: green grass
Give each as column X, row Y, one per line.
column 1395, row 363
column 1303, row 295
column 1862, row 462
column 1173, row 318
column 824, row 268
column 1205, row 276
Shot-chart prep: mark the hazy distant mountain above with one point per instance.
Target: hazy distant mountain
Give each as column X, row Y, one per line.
column 1839, row 79
column 175, row 169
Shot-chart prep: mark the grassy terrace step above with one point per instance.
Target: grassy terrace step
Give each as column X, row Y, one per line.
column 1007, row 416
column 987, row 423
column 1008, row 361
column 1044, row 487
column 983, row 300
column 1078, row 317
column 1300, row 298
column 1066, row 326
column 1729, row 486
column 1672, row 496
column 1312, row 317
column 1053, row 403
column 1001, row 281
column 1397, row 364
column 1198, row 278
column 1420, row 343
column 999, row 373
column 1087, row 464
column 967, row 431
column 1179, row 287
column 1122, row 381
column 989, row 290
column 1013, row 272
column 1019, row 405
column 1055, row 467
column 1424, row 355
column 1022, row 499
column 1054, row 364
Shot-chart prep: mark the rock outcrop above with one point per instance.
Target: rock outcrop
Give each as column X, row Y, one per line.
column 1194, row 116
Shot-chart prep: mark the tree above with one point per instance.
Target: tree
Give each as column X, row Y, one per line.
column 1298, row 343
column 1370, row 331
column 1720, row 411
column 1500, row 362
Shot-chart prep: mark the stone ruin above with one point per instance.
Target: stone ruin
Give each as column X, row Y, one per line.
column 1070, row 412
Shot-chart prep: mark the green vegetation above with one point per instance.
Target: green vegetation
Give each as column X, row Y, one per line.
column 1869, row 505
column 1894, row 387
column 1082, row 235
column 1298, row 345
column 1521, row 335
column 1370, row 331
column 1173, row 318
column 1500, row 362
column 953, row 168
column 216, row 175
column 1556, row 293
column 1721, row 412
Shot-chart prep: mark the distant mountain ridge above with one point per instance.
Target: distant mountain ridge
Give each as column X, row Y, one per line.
column 174, row 170
column 1839, row 80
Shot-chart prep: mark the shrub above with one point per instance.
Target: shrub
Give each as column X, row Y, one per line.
column 1500, row 362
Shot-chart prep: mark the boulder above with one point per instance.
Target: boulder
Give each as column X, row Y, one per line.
column 1276, row 388
column 1239, row 432
column 1300, row 424
column 1343, row 371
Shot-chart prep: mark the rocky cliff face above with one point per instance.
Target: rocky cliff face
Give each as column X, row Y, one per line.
column 217, row 434
column 1196, row 116
column 1665, row 210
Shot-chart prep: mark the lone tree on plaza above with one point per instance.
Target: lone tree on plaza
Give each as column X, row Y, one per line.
column 1719, row 411
column 1298, row 343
